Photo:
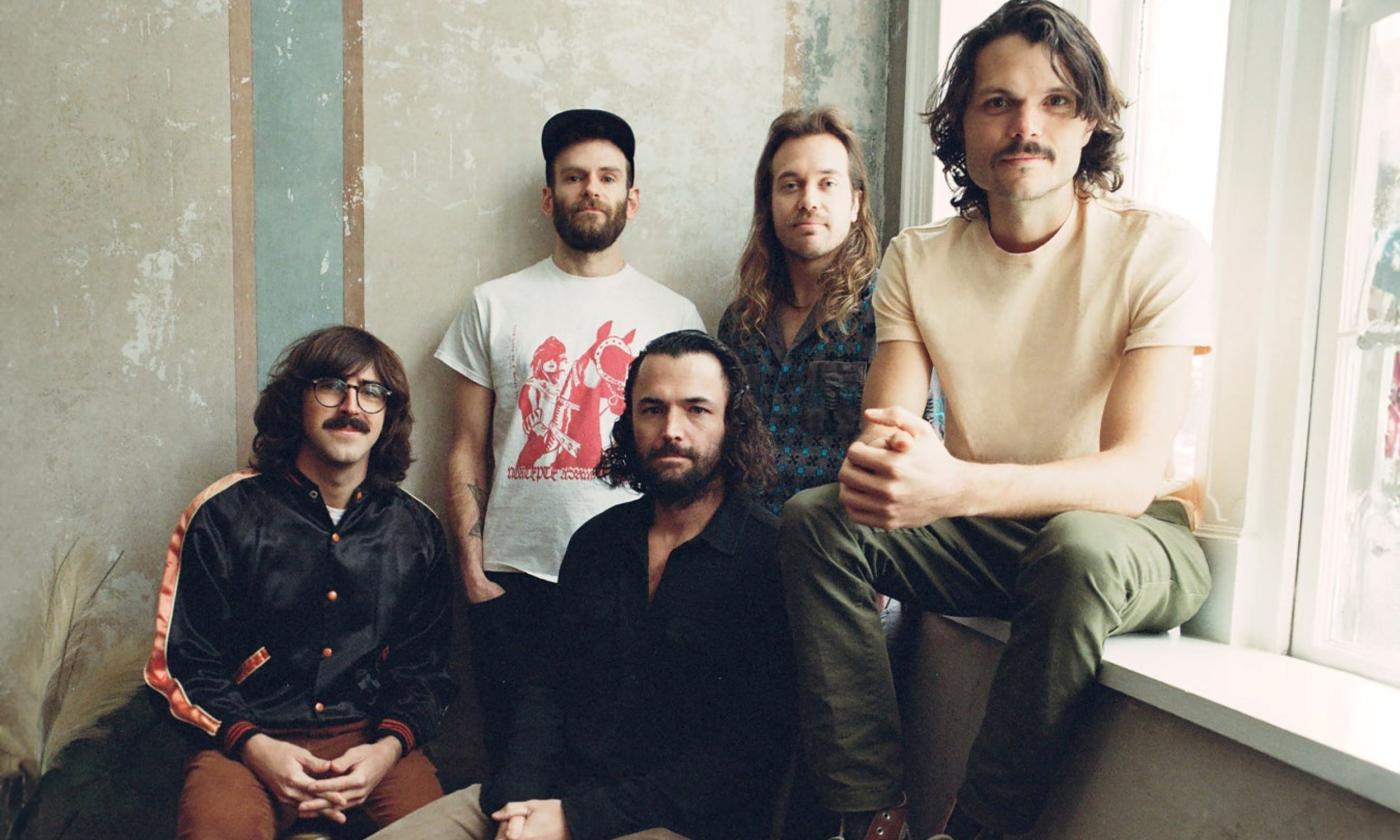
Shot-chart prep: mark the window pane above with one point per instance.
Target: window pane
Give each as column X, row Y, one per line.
column 1361, row 542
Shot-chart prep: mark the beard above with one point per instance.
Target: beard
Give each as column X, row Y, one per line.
column 683, row 487
column 587, row 234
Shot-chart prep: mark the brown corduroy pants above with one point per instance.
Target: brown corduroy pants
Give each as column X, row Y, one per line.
column 224, row 799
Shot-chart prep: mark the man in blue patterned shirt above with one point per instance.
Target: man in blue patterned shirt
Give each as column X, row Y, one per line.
column 802, row 322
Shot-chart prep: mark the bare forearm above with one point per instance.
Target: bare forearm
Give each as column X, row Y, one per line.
column 468, row 491
column 1111, row 482
column 910, row 479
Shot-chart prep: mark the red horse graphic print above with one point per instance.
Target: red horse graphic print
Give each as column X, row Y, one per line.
column 563, row 405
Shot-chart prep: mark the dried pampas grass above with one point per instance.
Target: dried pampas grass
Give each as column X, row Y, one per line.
column 66, row 663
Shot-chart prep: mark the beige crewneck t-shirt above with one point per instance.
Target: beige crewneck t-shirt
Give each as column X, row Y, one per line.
column 1027, row 345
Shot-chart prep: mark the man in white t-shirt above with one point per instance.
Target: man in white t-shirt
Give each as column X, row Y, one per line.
column 543, row 356
column 1062, row 325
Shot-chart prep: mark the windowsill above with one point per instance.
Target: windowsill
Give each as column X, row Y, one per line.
column 1333, row 725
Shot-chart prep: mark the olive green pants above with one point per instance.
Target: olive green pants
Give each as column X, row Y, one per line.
column 1065, row 583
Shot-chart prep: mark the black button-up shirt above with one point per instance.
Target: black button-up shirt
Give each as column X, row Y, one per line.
column 674, row 713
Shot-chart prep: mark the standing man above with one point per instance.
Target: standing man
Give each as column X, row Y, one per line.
column 664, row 707
column 1062, row 325
column 542, row 356
column 302, row 624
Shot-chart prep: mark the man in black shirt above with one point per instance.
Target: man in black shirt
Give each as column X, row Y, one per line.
column 665, row 708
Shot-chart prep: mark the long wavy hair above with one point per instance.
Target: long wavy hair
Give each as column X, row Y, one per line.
column 762, row 276
column 747, row 454
column 333, row 351
column 1079, row 62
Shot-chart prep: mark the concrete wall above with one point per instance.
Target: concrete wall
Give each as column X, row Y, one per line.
column 116, row 245
column 115, row 259
column 454, row 100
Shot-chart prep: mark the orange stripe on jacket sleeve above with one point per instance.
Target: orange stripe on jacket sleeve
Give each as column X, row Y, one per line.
column 157, row 673
column 251, row 664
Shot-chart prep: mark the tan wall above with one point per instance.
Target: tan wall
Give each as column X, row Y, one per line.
column 117, row 335
column 455, row 96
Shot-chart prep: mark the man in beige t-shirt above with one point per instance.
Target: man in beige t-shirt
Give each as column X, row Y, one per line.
column 1062, row 325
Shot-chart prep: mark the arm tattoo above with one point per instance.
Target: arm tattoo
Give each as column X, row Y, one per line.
column 479, row 493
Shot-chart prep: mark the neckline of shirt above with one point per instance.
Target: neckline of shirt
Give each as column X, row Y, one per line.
column 1074, row 223
column 561, row 274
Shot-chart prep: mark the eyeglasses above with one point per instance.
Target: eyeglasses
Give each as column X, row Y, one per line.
column 371, row 397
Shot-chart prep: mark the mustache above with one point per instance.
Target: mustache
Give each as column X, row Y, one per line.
column 666, row 449
column 1017, row 148
column 341, row 421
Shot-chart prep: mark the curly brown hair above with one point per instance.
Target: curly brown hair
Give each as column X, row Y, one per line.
column 762, row 275
column 1079, row 62
column 337, row 351
column 747, row 454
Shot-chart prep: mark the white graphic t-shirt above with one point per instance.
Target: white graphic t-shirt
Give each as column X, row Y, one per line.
column 555, row 349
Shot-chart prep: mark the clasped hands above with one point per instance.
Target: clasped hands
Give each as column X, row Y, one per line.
column 318, row 786
column 533, row 819
column 898, row 474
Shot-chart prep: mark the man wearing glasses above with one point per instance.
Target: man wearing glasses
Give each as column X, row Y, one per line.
column 303, row 618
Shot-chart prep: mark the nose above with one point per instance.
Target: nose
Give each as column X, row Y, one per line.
column 810, row 197
column 672, row 428
column 350, row 403
column 1025, row 122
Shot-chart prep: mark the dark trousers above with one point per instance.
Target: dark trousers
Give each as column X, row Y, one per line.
column 1066, row 583
column 509, row 636
column 223, row 800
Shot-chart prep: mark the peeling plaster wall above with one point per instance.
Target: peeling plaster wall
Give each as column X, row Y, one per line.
column 842, row 49
column 455, row 95
column 114, row 279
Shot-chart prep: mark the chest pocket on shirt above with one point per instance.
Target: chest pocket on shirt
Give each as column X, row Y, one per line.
column 833, row 406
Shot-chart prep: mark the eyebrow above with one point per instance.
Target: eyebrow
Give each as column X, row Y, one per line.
column 686, row 401
column 988, row 91
column 789, row 173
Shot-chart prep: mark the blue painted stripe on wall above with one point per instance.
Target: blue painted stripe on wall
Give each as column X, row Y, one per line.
column 298, row 152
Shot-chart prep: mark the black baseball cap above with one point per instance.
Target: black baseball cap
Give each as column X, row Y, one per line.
column 569, row 127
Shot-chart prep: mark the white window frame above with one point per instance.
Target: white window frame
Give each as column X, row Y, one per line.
column 1316, row 570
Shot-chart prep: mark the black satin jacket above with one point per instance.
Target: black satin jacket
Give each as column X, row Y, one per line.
column 270, row 616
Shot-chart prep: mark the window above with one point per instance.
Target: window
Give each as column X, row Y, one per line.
column 1348, row 611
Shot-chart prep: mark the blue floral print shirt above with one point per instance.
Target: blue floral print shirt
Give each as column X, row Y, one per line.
column 810, row 393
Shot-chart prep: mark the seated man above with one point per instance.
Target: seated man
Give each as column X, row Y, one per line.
column 1062, row 325
column 666, row 707
column 303, row 619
